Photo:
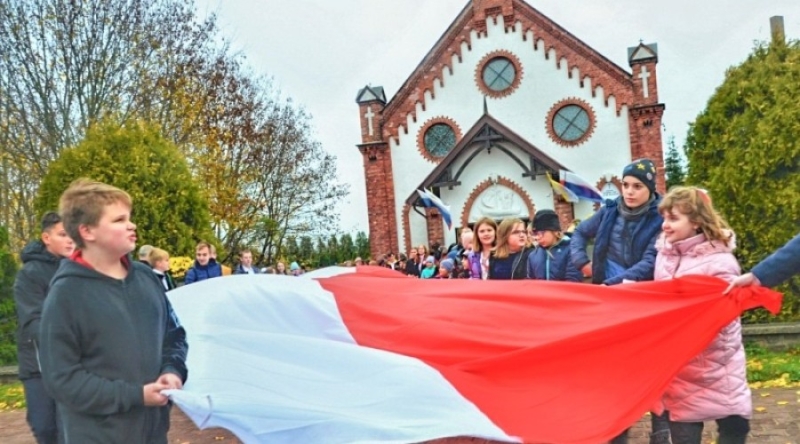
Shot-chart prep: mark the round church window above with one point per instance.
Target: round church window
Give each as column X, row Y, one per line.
column 440, row 138
column 570, row 122
column 499, row 74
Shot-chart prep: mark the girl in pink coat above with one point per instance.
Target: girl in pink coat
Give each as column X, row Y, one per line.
column 713, row 385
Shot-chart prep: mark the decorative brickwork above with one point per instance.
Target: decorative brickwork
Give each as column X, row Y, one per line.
column 485, row 61
column 645, row 129
column 406, row 215
column 548, row 123
column 603, row 182
column 421, row 136
column 483, row 186
column 600, row 71
column 379, row 178
column 435, row 226
column 565, row 211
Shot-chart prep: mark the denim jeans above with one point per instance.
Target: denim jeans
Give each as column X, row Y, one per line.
column 42, row 415
column 732, row 430
column 660, row 427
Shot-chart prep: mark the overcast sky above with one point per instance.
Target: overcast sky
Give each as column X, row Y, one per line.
column 320, row 52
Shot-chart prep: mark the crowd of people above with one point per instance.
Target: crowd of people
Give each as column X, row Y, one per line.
column 80, row 318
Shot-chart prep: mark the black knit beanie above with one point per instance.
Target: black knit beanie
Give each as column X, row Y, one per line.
column 644, row 170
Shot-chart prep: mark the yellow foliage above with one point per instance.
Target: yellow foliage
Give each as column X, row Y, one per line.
column 179, row 265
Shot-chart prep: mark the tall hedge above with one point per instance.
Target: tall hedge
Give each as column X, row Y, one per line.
column 745, row 149
column 8, row 314
column 169, row 208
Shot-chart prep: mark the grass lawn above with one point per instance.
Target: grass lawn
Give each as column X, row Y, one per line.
column 765, row 369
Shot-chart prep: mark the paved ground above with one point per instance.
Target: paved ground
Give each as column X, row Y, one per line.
column 775, row 421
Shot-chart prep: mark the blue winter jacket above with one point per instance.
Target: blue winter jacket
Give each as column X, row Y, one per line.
column 554, row 263
column 781, row 265
column 200, row 273
column 636, row 247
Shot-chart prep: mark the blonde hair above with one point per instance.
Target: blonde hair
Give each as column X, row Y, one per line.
column 696, row 205
column 424, row 248
column 83, row 203
column 201, row 245
column 484, row 221
column 157, row 254
column 504, row 230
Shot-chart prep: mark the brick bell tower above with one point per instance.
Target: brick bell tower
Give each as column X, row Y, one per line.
column 378, row 172
column 646, row 112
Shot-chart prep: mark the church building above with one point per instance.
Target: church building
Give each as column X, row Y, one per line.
column 505, row 97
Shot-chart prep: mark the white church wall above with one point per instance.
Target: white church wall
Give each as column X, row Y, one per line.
column 524, row 111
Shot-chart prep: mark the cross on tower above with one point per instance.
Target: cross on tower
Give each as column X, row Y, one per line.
column 644, row 75
column 369, row 115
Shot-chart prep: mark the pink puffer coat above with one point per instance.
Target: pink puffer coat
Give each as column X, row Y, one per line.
column 713, row 384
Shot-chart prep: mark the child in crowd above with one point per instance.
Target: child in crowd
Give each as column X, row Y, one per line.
column 446, row 268
column 509, row 259
column 40, row 261
column 429, row 269
column 624, row 231
column 159, row 260
column 713, row 385
column 551, row 259
column 205, row 266
column 110, row 342
column 483, row 245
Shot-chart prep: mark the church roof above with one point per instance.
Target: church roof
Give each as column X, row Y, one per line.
column 547, row 36
column 487, row 134
column 643, row 52
column 370, row 94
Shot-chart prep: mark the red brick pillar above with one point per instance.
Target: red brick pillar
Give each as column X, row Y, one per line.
column 378, row 173
column 646, row 112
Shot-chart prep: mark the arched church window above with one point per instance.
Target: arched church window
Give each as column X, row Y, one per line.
column 498, row 73
column 440, row 138
column 570, row 122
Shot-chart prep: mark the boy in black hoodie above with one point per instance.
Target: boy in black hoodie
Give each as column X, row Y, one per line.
column 40, row 261
column 110, row 342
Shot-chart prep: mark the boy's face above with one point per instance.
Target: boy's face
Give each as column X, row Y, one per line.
column 162, row 265
column 247, row 259
column 57, row 241
column 114, row 233
column 202, row 255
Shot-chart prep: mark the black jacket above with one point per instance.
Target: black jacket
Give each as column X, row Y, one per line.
column 102, row 340
column 515, row 266
column 30, row 290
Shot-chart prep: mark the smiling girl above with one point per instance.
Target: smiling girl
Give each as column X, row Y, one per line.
column 713, row 385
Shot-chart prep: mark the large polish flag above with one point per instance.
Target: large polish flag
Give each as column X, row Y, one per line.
column 367, row 355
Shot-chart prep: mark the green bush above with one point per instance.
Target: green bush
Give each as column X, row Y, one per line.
column 8, row 315
column 744, row 148
column 169, row 208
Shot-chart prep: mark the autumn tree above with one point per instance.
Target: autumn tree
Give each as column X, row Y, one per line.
column 65, row 64
column 744, row 148
column 169, row 208
column 250, row 147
